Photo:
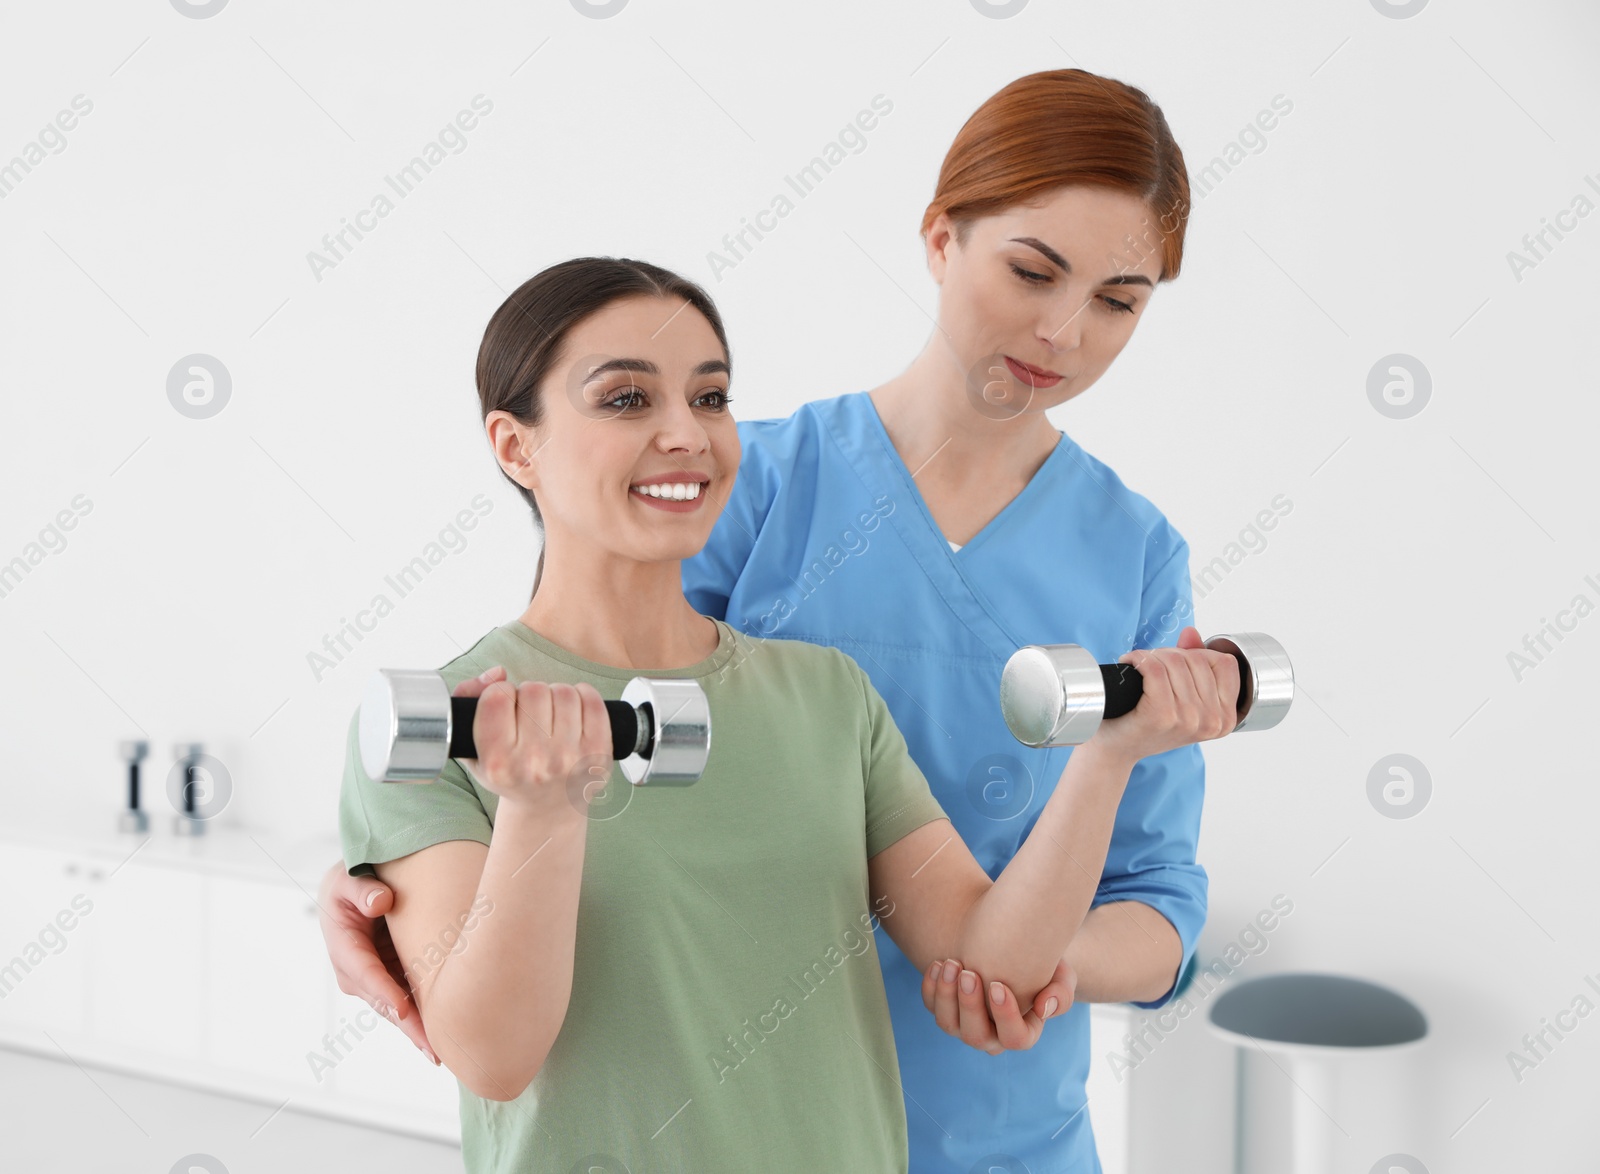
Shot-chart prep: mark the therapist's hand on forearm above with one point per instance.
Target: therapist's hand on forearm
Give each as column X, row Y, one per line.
column 988, row 1016
column 350, row 911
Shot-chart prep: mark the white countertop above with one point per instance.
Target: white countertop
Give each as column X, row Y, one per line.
column 256, row 854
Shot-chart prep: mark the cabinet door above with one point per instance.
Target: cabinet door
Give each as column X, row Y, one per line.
column 383, row 1069
column 147, row 989
column 46, row 904
column 1108, row 1087
column 272, row 986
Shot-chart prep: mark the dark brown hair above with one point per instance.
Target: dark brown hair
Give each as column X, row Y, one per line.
column 524, row 339
column 1058, row 127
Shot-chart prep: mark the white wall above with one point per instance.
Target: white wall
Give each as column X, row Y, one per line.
column 217, row 554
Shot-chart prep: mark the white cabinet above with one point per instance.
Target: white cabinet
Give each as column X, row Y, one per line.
column 271, row 985
column 45, row 907
column 183, row 961
column 148, row 992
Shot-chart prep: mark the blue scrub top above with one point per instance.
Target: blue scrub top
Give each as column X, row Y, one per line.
column 826, row 538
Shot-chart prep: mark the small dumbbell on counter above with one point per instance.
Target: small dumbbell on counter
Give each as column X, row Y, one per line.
column 409, row 725
column 1057, row 695
column 132, row 818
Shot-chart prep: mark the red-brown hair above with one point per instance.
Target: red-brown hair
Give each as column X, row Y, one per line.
column 1066, row 126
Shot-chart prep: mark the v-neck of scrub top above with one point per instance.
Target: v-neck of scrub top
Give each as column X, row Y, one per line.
column 881, row 468
column 1045, row 472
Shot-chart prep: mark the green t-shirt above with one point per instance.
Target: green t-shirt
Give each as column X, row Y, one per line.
column 727, row 1011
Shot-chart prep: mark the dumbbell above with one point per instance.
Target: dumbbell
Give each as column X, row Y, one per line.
column 409, row 725
column 1056, row 695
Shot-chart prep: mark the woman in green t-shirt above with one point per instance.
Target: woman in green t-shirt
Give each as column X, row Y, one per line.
column 670, row 982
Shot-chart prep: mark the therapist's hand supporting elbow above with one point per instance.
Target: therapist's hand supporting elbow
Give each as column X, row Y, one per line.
column 987, row 1016
column 1015, row 930
column 350, row 910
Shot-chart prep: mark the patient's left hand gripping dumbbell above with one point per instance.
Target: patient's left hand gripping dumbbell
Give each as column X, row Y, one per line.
column 1056, row 695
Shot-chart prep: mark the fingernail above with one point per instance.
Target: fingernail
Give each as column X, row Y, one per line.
column 428, row 1052
column 997, row 993
column 1050, row 1007
column 484, row 676
column 949, row 971
column 933, row 971
column 371, row 897
column 968, row 982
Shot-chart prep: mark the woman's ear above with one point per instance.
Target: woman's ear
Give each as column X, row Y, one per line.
column 938, row 240
column 513, row 443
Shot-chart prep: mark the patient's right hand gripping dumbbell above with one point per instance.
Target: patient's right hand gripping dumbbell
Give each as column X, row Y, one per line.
column 410, row 725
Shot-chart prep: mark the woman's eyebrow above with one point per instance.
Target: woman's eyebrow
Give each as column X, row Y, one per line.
column 1065, row 266
column 646, row 367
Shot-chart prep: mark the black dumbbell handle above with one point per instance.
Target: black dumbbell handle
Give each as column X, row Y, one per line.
column 1124, row 686
column 631, row 728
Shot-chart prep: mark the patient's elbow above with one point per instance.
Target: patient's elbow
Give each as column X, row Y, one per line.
column 492, row 1078
column 489, row 1060
column 497, row 1086
column 500, row 1091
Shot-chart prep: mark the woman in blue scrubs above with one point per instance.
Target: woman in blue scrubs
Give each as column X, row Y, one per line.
column 932, row 526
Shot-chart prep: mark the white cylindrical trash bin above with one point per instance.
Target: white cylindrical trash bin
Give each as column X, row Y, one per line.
column 1308, row 1025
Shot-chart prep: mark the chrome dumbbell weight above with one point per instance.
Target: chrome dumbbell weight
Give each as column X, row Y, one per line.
column 409, row 725
column 1057, row 695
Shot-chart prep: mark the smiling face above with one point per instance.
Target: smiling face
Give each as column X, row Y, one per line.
column 636, row 451
column 1043, row 296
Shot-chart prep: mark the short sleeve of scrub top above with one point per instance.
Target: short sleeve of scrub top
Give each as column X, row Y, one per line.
column 1153, row 862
